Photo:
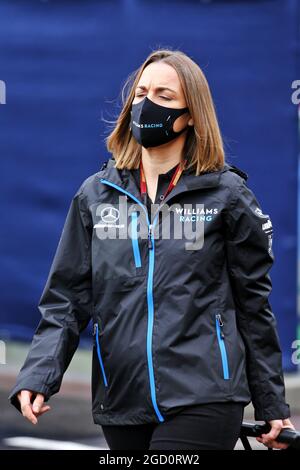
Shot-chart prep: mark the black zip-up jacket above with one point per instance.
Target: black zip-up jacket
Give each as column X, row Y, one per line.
column 178, row 320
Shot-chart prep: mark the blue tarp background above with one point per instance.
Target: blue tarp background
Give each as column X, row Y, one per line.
column 64, row 63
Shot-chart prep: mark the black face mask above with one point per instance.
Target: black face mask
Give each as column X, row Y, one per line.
column 152, row 124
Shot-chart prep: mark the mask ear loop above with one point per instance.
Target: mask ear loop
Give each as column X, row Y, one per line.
column 170, row 124
column 134, row 104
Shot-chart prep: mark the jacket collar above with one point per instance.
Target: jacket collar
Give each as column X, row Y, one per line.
column 187, row 182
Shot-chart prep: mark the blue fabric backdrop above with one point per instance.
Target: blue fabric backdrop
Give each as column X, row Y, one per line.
column 64, row 63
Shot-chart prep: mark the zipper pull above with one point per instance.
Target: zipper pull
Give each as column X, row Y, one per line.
column 219, row 318
column 150, row 243
column 95, row 329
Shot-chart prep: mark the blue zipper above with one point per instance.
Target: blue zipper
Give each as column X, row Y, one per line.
column 220, row 336
column 134, row 240
column 149, row 295
column 96, row 332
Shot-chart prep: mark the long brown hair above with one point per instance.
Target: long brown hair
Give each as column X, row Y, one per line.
column 203, row 145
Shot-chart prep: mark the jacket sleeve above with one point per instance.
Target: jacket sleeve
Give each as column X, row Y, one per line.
column 65, row 307
column 249, row 235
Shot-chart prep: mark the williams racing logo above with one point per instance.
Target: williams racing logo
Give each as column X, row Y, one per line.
column 266, row 226
column 258, row 212
column 149, row 125
column 197, row 214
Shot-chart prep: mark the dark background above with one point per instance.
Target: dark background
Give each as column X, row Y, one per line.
column 64, row 63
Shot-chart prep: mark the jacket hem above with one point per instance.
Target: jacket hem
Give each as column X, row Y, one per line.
column 107, row 420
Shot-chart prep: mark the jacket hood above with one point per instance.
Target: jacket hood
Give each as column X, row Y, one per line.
column 188, row 182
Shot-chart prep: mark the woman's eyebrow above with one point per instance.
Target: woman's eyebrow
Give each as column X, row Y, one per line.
column 159, row 88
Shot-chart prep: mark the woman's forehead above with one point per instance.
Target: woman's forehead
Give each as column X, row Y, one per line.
column 160, row 75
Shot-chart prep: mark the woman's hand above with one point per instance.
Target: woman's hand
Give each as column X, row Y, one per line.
column 269, row 440
column 32, row 405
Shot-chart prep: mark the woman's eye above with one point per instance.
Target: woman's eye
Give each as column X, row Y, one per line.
column 160, row 96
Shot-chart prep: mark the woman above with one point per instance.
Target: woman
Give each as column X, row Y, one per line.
column 168, row 251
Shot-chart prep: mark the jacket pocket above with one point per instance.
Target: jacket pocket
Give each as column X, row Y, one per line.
column 96, row 333
column 222, row 347
column 134, row 240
